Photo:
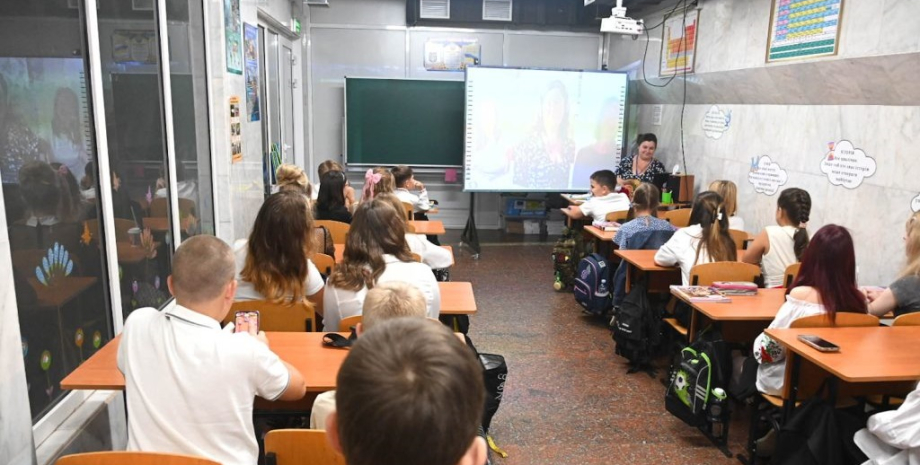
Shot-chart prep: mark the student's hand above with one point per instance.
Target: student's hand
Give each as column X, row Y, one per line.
column 261, row 337
column 872, row 293
column 419, row 186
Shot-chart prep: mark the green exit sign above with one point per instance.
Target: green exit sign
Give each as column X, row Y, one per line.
column 295, row 25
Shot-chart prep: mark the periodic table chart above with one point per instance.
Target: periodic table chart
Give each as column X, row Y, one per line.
column 803, row 29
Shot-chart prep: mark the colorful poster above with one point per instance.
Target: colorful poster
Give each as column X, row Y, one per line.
column 804, row 28
column 678, row 43
column 847, row 166
column 716, row 122
column 251, row 37
column 236, row 138
column 766, row 175
column 232, row 26
column 134, row 46
column 451, row 54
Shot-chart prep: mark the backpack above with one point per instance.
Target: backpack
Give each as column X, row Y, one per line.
column 592, row 284
column 636, row 328
column 698, row 371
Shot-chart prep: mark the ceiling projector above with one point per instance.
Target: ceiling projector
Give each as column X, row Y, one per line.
column 619, row 23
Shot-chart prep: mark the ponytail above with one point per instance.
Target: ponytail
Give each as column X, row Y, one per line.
column 645, row 197
column 708, row 212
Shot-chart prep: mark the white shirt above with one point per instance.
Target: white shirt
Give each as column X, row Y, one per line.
column 315, row 192
column 246, row 291
column 341, row 303
column 780, row 256
column 770, row 375
column 435, row 256
column 736, row 222
column 323, row 405
column 184, row 190
column 599, row 207
column 681, row 250
column 897, row 428
column 190, row 386
column 420, row 202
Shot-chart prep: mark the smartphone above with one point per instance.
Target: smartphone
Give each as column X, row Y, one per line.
column 819, row 344
column 247, row 322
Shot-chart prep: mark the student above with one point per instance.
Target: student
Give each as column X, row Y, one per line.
column 826, row 284
column 435, row 256
column 331, row 203
column 292, row 178
column 777, row 247
column 643, row 216
column 377, row 181
column 375, row 252
column 185, row 188
column 705, row 240
column 903, row 296
column 892, row 437
column 604, row 199
column 190, row 385
column 385, row 302
column 327, row 166
column 729, row 192
column 405, row 183
column 275, row 263
column 409, row 392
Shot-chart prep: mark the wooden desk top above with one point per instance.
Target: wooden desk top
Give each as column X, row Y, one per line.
column 62, row 292
column 305, row 351
column 457, row 298
column 643, row 260
column 568, row 198
column 128, row 253
column 760, row 307
column 431, row 227
column 867, row 355
column 161, row 223
column 602, row 235
column 340, row 252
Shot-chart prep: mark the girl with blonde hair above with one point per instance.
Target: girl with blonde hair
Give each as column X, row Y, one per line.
column 292, row 178
column 377, row 181
column 729, row 192
column 435, row 256
column 903, row 296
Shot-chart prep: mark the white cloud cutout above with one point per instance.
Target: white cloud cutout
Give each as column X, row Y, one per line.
column 716, row 122
column 766, row 175
column 915, row 204
column 847, row 166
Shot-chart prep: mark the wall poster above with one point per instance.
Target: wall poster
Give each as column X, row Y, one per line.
column 716, row 122
column 234, row 44
column 135, row 46
column 847, row 166
column 451, row 54
column 678, row 43
column 803, row 29
column 251, row 40
column 236, row 138
column 766, row 175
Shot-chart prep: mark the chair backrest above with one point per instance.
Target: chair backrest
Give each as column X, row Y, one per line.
column 410, row 228
column 292, row 318
column 346, row 323
column 791, row 272
column 301, row 447
column 416, row 257
column 323, row 262
column 907, row 319
column 409, row 210
column 338, row 229
column 159, row 207
column 133, row 458
column 708, row 273
column 121, row 229
column 679, row 217
column 841, row 319
column 740, row 238
column 618, row 216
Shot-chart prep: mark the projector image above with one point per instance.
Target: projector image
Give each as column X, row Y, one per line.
column 622, row 25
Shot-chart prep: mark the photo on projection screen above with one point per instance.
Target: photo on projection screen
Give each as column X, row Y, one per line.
column 534, row 130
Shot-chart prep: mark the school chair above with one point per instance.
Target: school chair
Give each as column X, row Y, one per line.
column 410, row 209
column 618, row 216
column 416, row 257
column 410, row 228
column 907, row 319
column 679, row 217
column 323, row 262
column 740, row 238
column 300, row 447
column 159, row 207
column 338, row 229
column 134, row 458
column 346, row 323
column 121, row 229
column 791, row 272
column 811, row 376
column 290, row 318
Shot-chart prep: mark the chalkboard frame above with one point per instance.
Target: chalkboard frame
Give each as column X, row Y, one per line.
column 372, row 164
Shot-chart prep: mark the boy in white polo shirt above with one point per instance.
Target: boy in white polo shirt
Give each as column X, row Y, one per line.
column 190, row 385
column 604, row 198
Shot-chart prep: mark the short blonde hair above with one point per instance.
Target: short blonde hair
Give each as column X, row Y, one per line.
column 202, row 267
column 292, row 178
column 729, row 192
column 392, row 299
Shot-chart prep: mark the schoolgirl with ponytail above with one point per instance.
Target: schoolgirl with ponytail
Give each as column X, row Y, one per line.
column 705, row 240
column 777, row 247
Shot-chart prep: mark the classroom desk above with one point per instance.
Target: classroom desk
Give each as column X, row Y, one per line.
column 570, row 220
column 604, row 236
column 429, row 228
column 62, row 291
column 572, row 201
column 161, row 223
column 457, row 298
column 129, row 253
column 643, row 261
column 742, row 319
column 340, row 253
column 872, row 360
column 305, row 351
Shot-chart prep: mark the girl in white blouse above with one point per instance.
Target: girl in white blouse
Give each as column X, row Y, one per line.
column 779, row 246
column 375, row 251
column 826, row 284
column 435, row 256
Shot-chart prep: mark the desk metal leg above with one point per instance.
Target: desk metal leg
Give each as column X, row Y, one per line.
column 789, row 402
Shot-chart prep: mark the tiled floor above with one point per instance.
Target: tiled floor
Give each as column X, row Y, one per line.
column 568, row 399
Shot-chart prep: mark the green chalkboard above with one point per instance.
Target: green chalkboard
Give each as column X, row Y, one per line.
column 404, row 122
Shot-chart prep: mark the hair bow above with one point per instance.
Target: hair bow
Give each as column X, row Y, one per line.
column 719, row 214
column 370, row 180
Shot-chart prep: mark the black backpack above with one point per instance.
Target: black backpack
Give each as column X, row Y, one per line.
column 592, row 284
column 636, row 329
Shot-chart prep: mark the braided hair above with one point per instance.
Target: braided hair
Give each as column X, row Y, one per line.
column 797, row 205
